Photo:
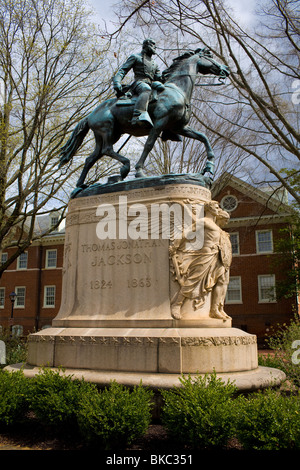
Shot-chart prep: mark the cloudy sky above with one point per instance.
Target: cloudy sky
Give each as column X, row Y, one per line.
column 243, row 8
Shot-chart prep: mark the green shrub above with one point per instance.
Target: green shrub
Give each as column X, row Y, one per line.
column 55, row 398
column 269, row 360
column 14, row 395
column 115, row 416
column 285, row 344
column 268, row 421
column 16, row 348
column 200, row 413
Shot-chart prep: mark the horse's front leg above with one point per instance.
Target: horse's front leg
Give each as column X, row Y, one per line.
column 188, row 131
column 152, row 137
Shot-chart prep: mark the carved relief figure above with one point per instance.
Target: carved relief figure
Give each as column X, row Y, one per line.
column 206, row 270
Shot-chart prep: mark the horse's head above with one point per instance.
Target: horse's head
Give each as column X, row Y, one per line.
column 208, row 65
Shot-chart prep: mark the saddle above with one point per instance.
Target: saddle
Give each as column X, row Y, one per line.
column 128, row 98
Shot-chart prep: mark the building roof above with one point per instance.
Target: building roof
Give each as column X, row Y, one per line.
column 273, row 196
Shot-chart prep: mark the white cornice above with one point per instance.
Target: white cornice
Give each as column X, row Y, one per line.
column 58, row 239
column 256, row 194
column 258, row 220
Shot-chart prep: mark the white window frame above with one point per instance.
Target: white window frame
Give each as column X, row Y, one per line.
column 19, row 259
column 54, row 219
column 2, row 289
column 47, row 258
column 235, row 301
column 238, row 242
column 261, row 299
column 45, row 305
column 16, row 301
column 4, row 257
column 17, row 330
column 223, row 202
column 257, row 232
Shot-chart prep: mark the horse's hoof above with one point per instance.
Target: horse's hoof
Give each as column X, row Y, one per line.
column 140, row 174
column 114, row 179
column 124, row 171
column 75, row 192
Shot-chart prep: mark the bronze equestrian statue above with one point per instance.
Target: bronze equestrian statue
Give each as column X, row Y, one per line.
column 169, row 111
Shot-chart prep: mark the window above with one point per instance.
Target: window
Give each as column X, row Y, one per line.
column 266, row 288
column 4, row 257
column 234, row 291
column 17, row 330
column 22, row 261
column 229, row 203
column 235, row 243
column 264, row 241
column 53, row 220
column 49, row 296
column 2, row 297
column 20, row 299
column 51, row 257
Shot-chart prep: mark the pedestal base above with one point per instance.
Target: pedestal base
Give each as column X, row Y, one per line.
column 145, row 350
column 246, row 381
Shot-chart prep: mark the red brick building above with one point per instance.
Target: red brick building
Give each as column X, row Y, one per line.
column 36, row 279
column 256, row 219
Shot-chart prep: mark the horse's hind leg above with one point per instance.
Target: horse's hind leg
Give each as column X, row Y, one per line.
column 124, row 170
column 90, row 161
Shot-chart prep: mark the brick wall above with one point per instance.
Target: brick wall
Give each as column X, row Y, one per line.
column 252, row 315
column 34, row 315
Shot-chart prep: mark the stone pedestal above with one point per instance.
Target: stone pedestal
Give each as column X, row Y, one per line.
column 116, row 309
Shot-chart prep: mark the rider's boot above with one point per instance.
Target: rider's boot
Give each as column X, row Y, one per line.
column 140, row 113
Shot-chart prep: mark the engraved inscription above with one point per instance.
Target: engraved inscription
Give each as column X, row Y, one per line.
column 142, row 282
column 121, row 259
column 97, row 284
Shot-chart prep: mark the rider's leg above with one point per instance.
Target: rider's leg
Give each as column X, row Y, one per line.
column 140, row 113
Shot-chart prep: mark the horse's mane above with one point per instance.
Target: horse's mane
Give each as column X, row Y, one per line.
column 177, row 61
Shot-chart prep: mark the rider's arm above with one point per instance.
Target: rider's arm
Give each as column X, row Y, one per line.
column 123, row 71
column 158, row 75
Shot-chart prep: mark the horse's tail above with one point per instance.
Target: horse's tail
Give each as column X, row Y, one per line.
column 74, row 142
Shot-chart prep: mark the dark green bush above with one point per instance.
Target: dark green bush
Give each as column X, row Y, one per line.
column 14, row 395
column 268, row 421
column 200, row 413
column 16, row 348
column 55, row 398
column 115, row 416
column 285, row 346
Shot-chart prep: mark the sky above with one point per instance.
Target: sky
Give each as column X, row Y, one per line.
column 244, row 9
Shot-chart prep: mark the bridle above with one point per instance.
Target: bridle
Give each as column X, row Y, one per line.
column 221, row 78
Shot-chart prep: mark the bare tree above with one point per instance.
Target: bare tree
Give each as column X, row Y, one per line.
column 259, row 112
column 51, row 66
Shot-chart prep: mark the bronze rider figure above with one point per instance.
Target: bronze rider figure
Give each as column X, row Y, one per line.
column 146, row 72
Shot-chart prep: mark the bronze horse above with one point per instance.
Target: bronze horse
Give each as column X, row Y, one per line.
column 169, row 110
